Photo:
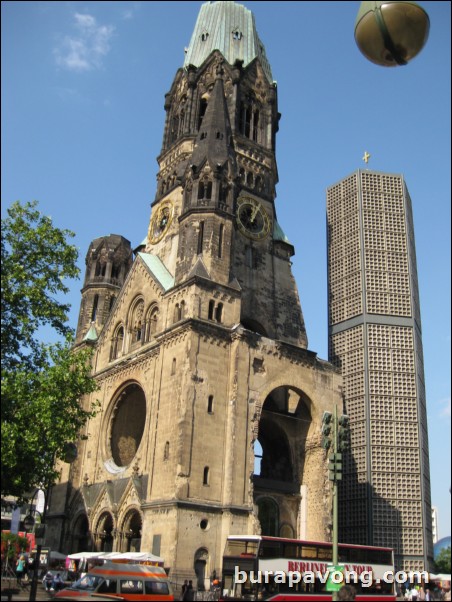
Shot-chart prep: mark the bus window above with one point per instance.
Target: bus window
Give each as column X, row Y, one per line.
column 270, row 549
column 241, row 548
column 309, row 552
column 291, row 550
column 344, row 555
column 358, row 555
column 325, row 553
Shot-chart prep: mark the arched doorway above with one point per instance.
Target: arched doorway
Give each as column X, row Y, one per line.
column 81, row 540
column 268, row 515
column 200, row 566
column 132, row 532
column 104, row 533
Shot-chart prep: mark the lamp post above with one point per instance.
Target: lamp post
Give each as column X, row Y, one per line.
column 30, row 525
column 69, row 456
column 391, row 32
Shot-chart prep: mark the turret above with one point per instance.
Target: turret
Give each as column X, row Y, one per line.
column 108, row 262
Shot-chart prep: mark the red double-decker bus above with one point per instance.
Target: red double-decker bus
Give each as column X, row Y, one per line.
column 272, row 568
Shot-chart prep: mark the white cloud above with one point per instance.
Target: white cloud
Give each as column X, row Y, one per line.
column 86, row 50
column 133, row 7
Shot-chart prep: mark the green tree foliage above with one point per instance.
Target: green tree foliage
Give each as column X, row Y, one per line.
column 41, row 384
column 12, row 546
column 442, row 561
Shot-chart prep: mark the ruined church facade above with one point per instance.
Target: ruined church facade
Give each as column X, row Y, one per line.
column 210, row 400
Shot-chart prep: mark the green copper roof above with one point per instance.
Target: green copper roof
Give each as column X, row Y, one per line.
column 278, row 233
column 91, row 335
column 230, row 28
column 158, row 270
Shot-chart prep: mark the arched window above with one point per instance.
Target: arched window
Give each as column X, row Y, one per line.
column 205, row 478
column 166, row 451
column 211, row 309
column 136, row 325
column 202, row 111
column 176, row 313
column 219, row 313
column 151, row 323
column 117, row 343
column 200, row 238
column 256, row 117
column 173, row 367
column 268, row 516
column 210, row 405
column 101, row 268
column 115, row 271
column 95, row 307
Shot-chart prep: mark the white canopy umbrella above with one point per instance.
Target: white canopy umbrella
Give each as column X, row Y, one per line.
column 81, row 555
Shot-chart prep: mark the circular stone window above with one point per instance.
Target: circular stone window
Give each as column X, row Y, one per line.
column 127, row 424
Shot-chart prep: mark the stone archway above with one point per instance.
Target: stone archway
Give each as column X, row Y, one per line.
column 81, row 540
column 268, row 515
column 280, row 450
column 104, row 533
column 201, row 562
column 131, row 532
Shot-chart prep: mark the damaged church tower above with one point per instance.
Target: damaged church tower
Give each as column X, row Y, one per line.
column 211, row 402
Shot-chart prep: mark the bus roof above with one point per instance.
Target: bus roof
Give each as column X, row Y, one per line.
column 302, row 541
column 129, row 570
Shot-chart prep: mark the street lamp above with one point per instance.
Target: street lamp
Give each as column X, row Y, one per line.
column 69, row 456
column 391, row 33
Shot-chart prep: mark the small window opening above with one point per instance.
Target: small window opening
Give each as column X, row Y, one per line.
column 220, row 242
column 95, row 306
column 173, row 367
column 200, row 238
column 205, row 479
column 202, row 111
column 210, row 405
column 211, row 309
column 219, row 313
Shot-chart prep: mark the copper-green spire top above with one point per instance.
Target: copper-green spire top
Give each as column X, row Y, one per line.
column 230, row 28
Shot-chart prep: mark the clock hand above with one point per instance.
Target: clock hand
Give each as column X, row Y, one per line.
column 253, row 215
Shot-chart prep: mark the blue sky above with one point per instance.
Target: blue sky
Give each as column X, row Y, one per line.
column 83, row 87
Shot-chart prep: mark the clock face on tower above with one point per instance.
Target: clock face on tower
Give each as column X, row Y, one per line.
column 160, row 222
column 252, row 219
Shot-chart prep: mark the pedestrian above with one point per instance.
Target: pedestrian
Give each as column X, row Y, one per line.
column 48, row 580
column 414, row 594
column 57, row 583
column 184, row 589
column 347, row 592
column 20, row 568
column 190, row 593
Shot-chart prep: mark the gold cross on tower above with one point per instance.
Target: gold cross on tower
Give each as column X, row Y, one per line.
column 366, row 157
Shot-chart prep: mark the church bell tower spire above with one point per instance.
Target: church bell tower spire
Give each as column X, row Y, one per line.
column 218, row 174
